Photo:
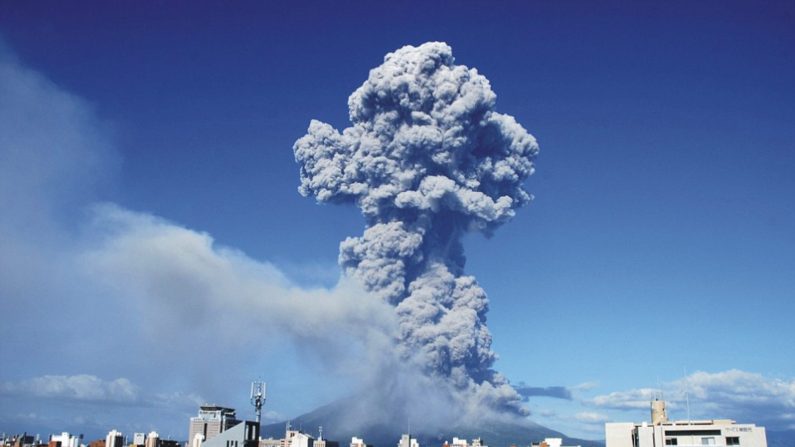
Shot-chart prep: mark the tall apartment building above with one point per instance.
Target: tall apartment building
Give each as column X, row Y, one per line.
column 211, row 421
column 661, row 432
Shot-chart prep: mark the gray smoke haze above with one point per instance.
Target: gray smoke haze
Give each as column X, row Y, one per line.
column 427, row 158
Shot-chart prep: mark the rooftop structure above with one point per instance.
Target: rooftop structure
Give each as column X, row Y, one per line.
column 244, row 434
column 408, row 441
column 661, row 432
column 211, row 421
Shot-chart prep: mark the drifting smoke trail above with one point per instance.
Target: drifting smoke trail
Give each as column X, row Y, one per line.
column 426, row 159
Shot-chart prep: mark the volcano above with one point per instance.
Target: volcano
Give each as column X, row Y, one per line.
column 337, row 426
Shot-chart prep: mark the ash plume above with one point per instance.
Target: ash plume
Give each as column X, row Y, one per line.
column 427, row 158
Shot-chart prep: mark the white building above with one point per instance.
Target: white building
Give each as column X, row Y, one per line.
column 358, row 442
column 296, row 438
column 661, row 432
column 460, row 442
column 408, row 441
column 114, row 439
column 550, row 442
column 139, row 438
column 65, row 440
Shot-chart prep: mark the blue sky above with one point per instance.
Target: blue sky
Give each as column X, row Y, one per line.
column 660, row 242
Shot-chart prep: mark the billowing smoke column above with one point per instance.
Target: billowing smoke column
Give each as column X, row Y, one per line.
column 426, row 159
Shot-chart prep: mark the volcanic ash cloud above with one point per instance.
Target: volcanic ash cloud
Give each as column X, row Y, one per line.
column 427, row 158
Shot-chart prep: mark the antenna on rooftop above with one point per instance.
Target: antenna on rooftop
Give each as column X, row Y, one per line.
column 687, row 394
column 258, row 389
column 320, row 433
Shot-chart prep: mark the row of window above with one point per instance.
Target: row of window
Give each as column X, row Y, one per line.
column 710, row 440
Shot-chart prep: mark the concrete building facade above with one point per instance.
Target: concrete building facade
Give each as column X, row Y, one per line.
column 211, row 421
column 114, row 439
column 244, row 434
column 713, row 432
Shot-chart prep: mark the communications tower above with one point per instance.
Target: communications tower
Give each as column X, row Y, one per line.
column 258, row 389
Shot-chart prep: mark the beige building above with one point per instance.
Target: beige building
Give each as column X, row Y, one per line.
column 661, row 432
column 211, row 421
column 152, row 440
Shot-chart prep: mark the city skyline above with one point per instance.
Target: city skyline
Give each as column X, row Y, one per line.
column 156, row 254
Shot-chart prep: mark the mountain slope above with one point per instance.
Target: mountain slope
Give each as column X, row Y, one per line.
column 337, row 427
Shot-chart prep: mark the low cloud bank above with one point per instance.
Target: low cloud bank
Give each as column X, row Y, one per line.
column 740, row 395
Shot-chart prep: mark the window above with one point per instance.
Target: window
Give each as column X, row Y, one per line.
column 708, row 441
column 732, row 440
column 671, row 441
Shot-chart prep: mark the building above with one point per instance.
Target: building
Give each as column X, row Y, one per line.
column 661, row 432
column 139, row 439
column 359, row 442
column 270, row 442
column 458, row 442
column 97, row 443
column 550, row 442
column 244, row 434
column 297, row 438
column 320, row 442
column 152, row 439
column 408, row 441
column 114, row 439
column 23, row 440
column 211, row 421
column 66, row 440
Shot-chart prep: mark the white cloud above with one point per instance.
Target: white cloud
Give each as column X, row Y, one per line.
column 78, row 387
column 591, row 417
column 92, row 389
column 736, row 394
column 625, row 400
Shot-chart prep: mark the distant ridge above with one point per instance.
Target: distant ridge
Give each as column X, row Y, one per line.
column 494, row 434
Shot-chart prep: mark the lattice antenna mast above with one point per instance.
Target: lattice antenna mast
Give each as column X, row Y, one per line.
column 258, row 389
